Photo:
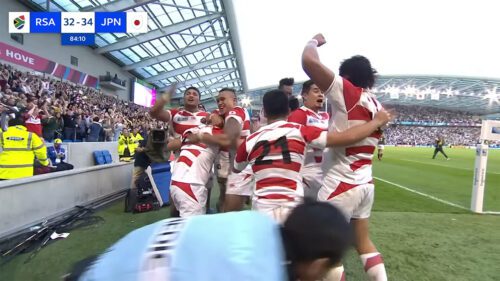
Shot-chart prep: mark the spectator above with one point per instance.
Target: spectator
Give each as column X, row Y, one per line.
column 32, row 120
column 118, row 127
column 57, row 155
column 81, row 128
column 60, row 124
column 49, row 126
column 95, row 130
column 69, row 124
column 108, row 129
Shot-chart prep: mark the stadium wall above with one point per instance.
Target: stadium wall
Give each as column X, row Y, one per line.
column 49, row 46
column 80, row 154
column 33, row 200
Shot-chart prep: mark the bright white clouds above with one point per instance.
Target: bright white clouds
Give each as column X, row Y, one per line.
column 436, row 37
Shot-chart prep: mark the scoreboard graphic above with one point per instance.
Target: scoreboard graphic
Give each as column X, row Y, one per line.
column 78, row 28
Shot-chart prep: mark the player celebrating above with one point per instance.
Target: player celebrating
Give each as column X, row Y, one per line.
column 310, row 115
column 348, row 181
column 192, row 169
column 182, row 119
column 236, row 127
column 276, row 154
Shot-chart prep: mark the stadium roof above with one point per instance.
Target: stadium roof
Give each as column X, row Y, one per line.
column 188, row 41
column 476, row 95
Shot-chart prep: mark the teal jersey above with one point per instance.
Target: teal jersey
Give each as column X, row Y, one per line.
column 232, row 246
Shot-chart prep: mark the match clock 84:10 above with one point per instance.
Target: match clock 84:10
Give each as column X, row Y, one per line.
column 77, row 22
column 83, row 39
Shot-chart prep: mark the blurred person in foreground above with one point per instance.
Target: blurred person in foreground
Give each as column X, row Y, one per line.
column 19, row 149
column 240, row 246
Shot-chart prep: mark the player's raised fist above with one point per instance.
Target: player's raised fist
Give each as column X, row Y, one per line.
column 320, row 38
column 167, row 94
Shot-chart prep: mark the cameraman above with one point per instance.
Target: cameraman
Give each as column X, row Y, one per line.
column 155, row 149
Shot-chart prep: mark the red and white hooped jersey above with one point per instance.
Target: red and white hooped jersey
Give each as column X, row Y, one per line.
column 351, row 106
column 183, row 120
column 243, row 118
column 307, row 117
column 276, row 154
column 195, row 161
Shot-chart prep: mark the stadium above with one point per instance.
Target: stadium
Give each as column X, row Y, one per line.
column 94, row 120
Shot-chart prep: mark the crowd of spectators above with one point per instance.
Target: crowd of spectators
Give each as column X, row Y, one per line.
column 420, row 135
column 418, row 125
column 432, row 115
column 59, row 109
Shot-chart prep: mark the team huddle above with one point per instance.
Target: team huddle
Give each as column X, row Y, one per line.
column 281, row 162
column 292, row 155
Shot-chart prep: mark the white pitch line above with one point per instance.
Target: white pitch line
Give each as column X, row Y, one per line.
column 446, row 166
column 423, row 194
column 491, row 213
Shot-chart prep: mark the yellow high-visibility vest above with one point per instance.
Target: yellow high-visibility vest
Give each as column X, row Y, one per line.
column 124, row 142
column 19, row 148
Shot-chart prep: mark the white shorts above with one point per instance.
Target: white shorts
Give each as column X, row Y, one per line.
column 380, row 147
column 312, row 178
column 222, row 166
column 277, row 211
column 355, row 201
column 189, row 199
column 241, row 183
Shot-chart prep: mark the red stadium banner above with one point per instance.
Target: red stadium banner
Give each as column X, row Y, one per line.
column 32, row 61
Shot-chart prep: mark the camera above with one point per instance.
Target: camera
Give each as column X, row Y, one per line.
column 158, row 136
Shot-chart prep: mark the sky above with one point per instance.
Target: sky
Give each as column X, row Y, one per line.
column 425, row 37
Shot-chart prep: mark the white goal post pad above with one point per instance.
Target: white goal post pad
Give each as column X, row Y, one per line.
column 490, row 130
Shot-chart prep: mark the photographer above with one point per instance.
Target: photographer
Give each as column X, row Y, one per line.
column 155, row 149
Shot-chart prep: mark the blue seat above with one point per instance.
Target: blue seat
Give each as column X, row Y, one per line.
column 107, row 156
column 99, row 158
column 160, row 176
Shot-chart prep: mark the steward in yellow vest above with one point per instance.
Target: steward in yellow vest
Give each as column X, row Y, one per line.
column 19, row 148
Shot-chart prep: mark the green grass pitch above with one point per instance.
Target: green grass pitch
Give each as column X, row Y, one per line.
column 420, row 237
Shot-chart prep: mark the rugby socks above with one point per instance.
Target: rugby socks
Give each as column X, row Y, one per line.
column 374, row 266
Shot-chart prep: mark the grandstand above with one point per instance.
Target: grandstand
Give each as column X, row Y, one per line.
column 421, row 220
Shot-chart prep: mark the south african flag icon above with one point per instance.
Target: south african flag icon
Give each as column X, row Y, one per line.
column 19, row 22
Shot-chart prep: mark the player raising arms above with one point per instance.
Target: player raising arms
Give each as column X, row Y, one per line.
column 348, row 181
column 276, row 154
column 310, row 115
column 182, row 119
